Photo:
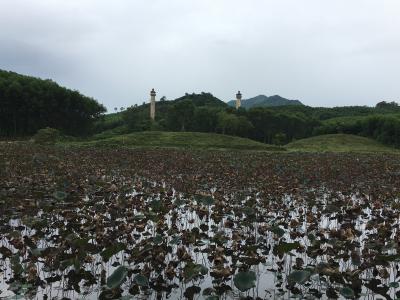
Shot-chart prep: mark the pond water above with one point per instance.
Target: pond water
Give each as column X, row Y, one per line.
column 151, row 242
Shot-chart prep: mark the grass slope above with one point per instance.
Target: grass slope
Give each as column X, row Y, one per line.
column 187, row 140
column 339, row 143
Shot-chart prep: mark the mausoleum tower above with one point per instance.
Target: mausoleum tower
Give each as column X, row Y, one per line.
column 152, row 104
column 238, row 100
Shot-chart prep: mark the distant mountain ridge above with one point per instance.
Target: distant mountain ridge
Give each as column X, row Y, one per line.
column 265, row 101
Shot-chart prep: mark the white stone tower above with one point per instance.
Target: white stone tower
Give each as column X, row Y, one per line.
column 152, row 104
column 238, row 100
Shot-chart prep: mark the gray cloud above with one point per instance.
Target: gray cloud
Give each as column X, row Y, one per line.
column 324, row 53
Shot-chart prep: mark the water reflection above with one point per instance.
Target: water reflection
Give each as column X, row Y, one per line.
column 323, row 245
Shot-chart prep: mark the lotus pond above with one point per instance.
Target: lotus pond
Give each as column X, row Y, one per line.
column 166, row 224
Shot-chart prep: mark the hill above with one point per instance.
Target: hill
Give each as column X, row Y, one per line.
column 202, row 99
column 339, row 143
column 29, row 103
column 186, row 140
column 265, row 101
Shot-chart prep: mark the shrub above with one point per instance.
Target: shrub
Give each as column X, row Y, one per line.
column 46, row 136
column 279, row 139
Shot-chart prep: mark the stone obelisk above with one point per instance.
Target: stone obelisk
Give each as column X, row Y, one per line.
column 152, row 104
column 238, row 100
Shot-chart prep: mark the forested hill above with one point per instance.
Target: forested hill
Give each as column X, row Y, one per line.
column 28, row 104
column 203, row 99
column 179, row 114
column 265, row 101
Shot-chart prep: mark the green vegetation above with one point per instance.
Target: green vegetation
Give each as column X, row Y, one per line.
column 192, row 112
column 28, row 104
column 338, row 143
column 325, row 113
column 110, row 133
column 108, row 122
column 187, row 140
column 46, row 136
column 119, row 137
column 277, row 125
column 205, row 113
column 383, row 128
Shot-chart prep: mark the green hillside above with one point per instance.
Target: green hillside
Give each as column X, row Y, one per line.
column 339, row 143
column 203, row 141
column 187, row 140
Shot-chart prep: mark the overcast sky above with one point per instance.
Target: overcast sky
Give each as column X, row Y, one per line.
column 324, row 53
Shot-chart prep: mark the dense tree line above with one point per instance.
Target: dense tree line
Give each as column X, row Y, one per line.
column 326, row 113
column 383, row 128
column 28, row 104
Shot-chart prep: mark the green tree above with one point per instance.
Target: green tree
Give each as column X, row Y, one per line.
column 181, row 114
column 244, row 127
column 136, row 119
column 205, row 119
column 227, row 123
